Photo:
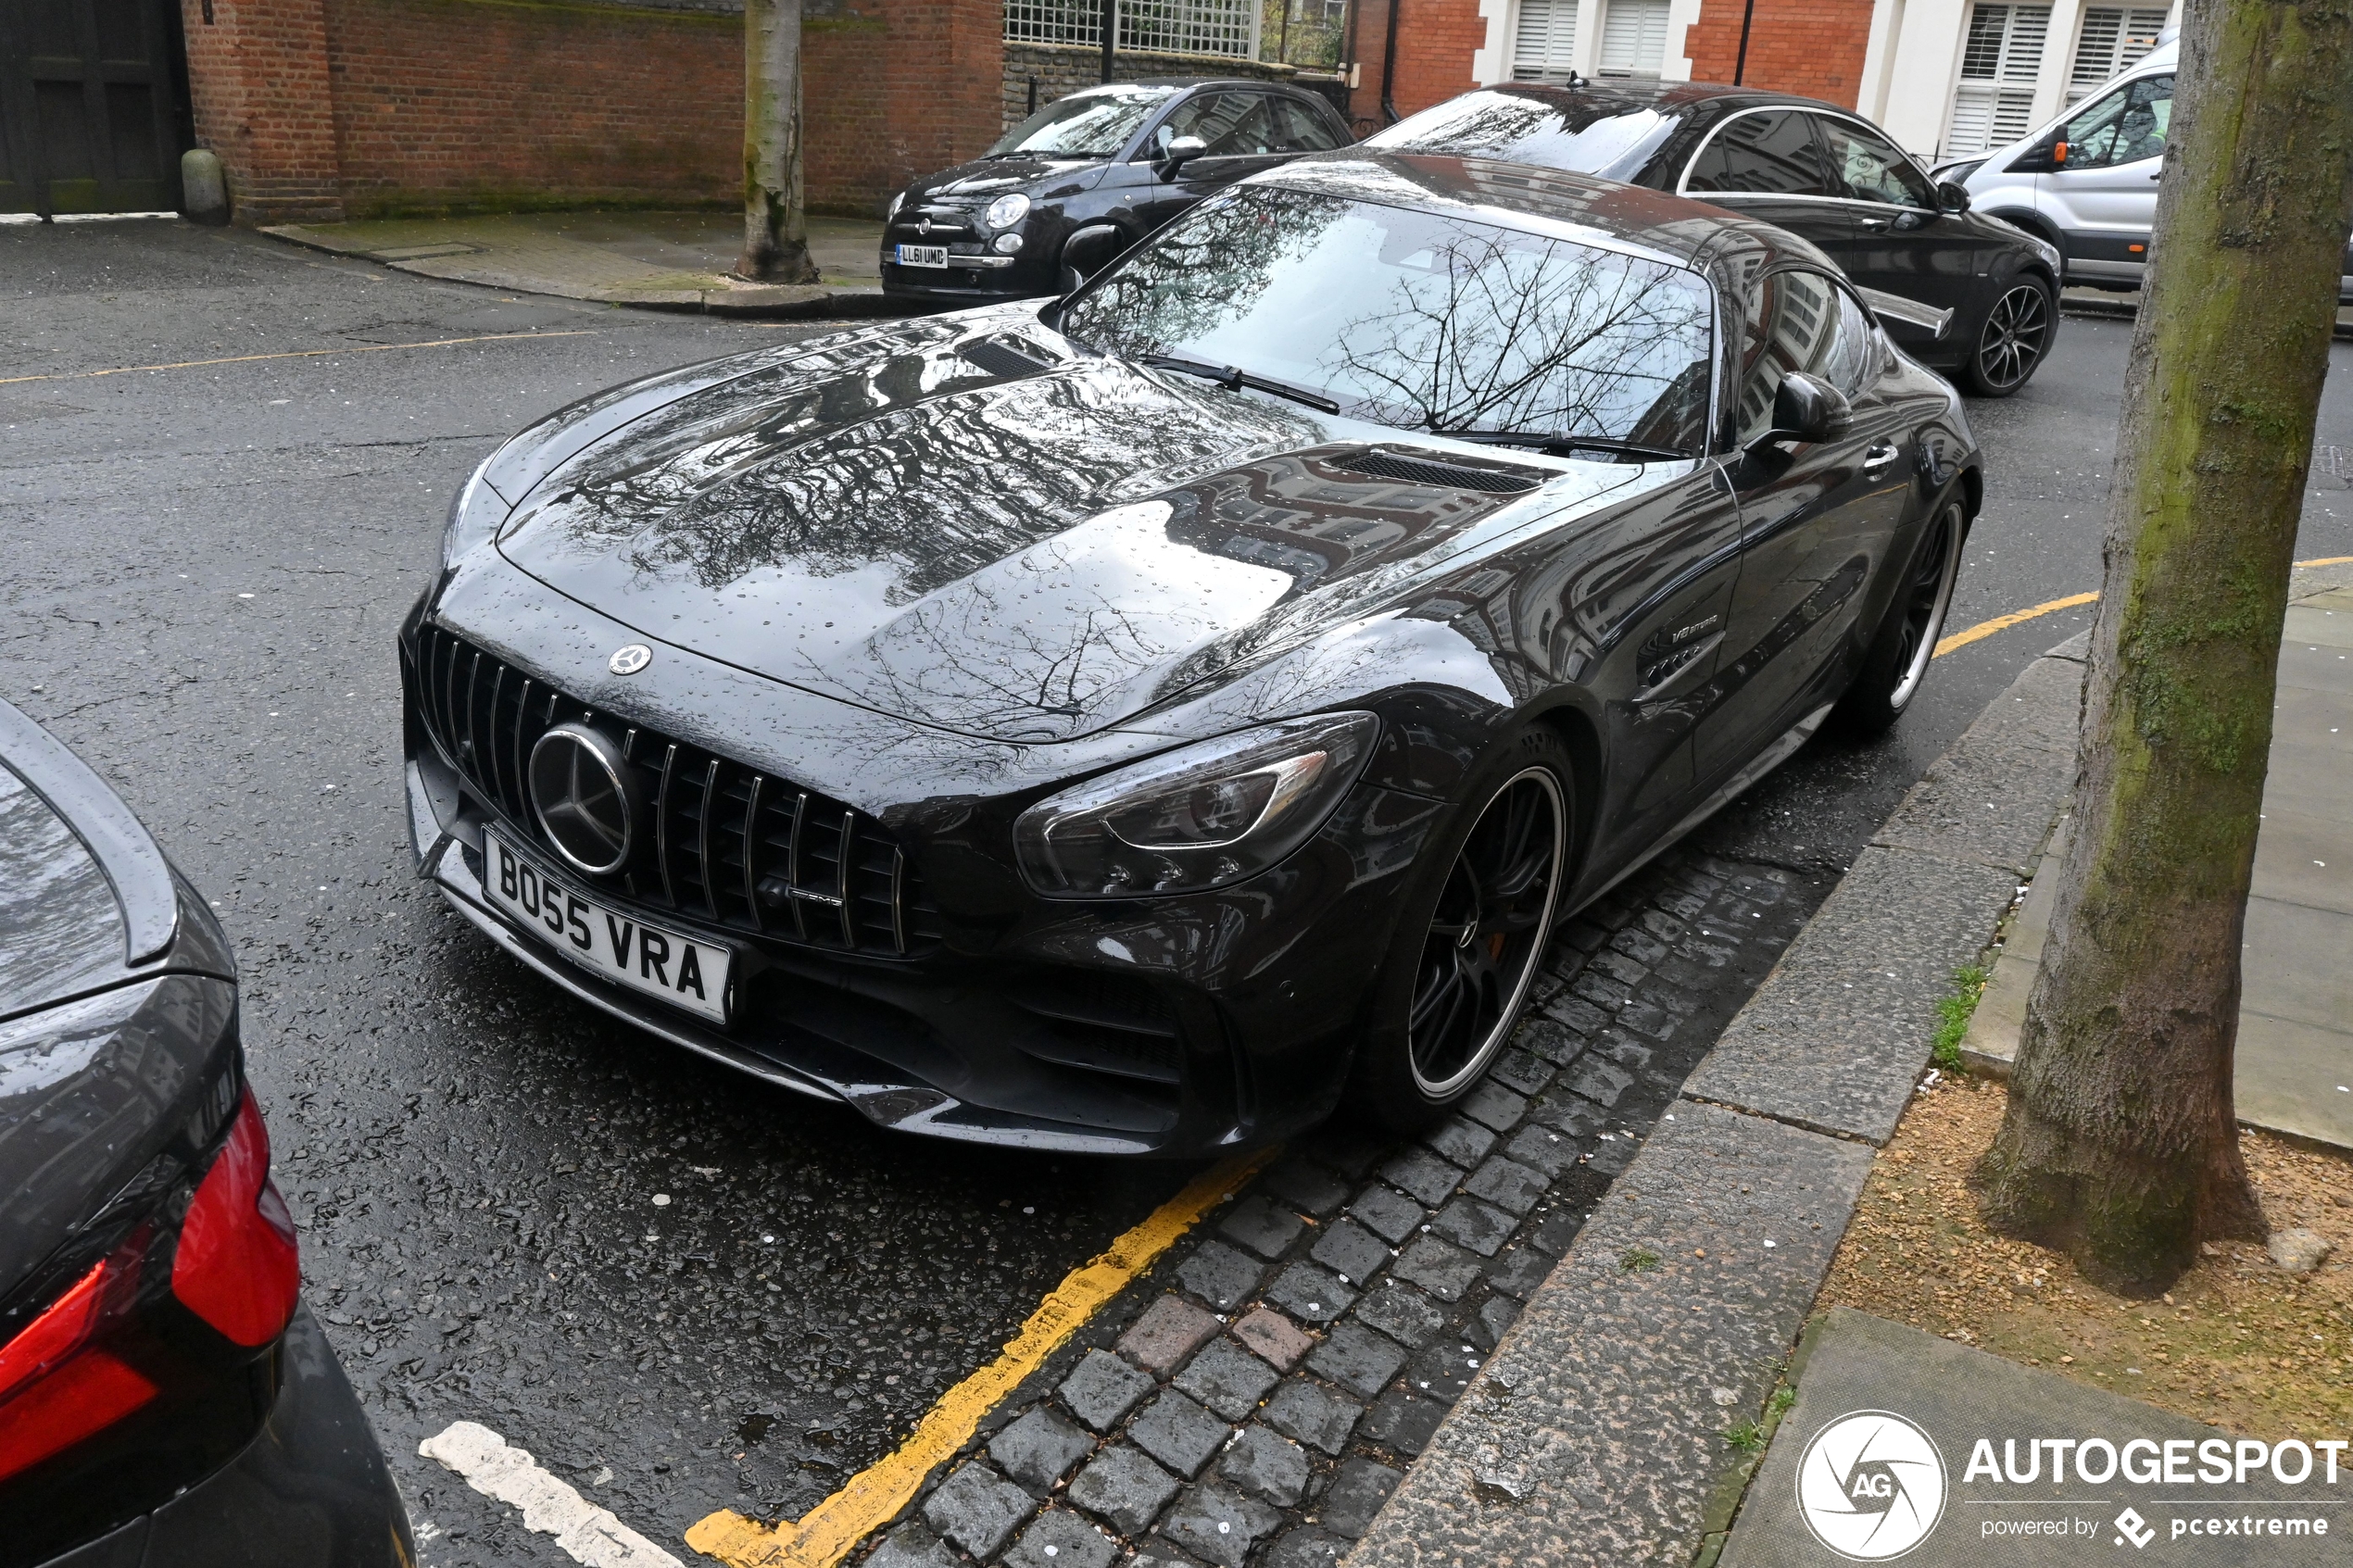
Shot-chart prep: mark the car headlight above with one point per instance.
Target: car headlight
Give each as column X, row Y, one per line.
column 474, row 515
column 1198, row 817
column 1006, row 211
column 896, row 203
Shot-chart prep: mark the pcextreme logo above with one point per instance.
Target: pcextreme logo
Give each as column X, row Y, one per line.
column 1871, row 1485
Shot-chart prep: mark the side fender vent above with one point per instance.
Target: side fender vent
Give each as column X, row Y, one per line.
column 1494, row 479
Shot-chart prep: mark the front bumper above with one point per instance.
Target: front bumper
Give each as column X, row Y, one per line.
column 1019, row 1022
column 309, row 1491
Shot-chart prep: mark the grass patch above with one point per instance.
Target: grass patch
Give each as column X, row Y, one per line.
column 1638, row 1260
column 1953, row 1014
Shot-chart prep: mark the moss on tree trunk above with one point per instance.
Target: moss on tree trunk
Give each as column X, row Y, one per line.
column 775, row 223
column 2120, row 1143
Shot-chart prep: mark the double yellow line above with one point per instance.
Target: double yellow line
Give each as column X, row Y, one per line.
column 290, row 354
column 1984, row 628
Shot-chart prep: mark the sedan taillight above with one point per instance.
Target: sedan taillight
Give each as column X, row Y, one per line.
column 58, row 1385
column 236, row 1267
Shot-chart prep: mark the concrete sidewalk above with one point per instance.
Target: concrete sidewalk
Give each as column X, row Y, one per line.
column 661, row 261
column 2296, row 1023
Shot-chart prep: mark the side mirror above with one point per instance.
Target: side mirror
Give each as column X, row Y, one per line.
column 2059, row 155
column 1951, row 199
column 1087, row 251
column 1181, row 152
column 1806, row 408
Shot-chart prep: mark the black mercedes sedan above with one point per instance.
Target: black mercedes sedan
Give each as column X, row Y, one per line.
column 164, row 1401
column 1967, row 294
column 1112, row 162
column 1133, row 724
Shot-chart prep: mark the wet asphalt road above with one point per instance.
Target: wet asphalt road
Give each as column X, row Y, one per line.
column 682, row 1290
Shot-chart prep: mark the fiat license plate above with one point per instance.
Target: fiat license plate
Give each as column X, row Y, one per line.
column 679, row 969
column 923, row 256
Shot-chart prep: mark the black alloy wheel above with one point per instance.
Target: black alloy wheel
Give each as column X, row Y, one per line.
column 1896, row 664
column 1483, row 942
column 2011, row 345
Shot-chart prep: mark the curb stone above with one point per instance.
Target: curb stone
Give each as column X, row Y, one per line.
column 1596, row 1434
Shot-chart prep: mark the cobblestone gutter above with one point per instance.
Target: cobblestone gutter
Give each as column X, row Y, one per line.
column 1257, row 1399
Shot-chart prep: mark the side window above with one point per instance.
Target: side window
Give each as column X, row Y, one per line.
column 1228, row 122
column 1298, row 129
column 1799, row 320
column 1770, row 154
column 1872, row 168
column 2125, row 127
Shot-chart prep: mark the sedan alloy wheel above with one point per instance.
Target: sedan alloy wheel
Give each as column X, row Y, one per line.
column 2017, row 332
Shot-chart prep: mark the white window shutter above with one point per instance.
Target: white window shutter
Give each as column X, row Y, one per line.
column 1544, row 43
column 1633, row 37
column 2001, row 55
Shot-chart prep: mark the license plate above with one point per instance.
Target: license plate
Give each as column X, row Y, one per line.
column 678, row 969
column 923, row 256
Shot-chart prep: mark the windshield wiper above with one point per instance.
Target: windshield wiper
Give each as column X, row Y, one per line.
column 1554, row 444
column 1234, row 376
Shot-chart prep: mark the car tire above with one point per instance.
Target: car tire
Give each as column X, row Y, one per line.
column 2013, row 338
column 1466, row 952
column 1896, row 665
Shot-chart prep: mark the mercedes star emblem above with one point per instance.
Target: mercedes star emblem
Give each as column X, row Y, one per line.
column 628, row 660
column 584, row 796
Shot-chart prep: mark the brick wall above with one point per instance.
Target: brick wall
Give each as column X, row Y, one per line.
column 1809, row 46
column 322, row 108
column 1066, row 67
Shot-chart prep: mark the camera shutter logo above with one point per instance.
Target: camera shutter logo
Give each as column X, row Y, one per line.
column 1871, row 1485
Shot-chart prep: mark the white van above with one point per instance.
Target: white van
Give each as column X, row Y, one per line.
column 2087, row 181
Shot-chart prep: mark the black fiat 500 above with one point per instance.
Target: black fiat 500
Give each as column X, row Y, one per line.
column 1133, row 724
column 1118, row 160
column 164, row 1401
column 1962, row 292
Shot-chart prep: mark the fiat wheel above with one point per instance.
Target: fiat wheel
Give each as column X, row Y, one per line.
column 2016, row 335
column 1461, row 966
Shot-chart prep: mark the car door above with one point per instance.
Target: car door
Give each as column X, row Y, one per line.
column 1814, row 520
column 1900, row 243
column 1239, row 131
column 2102, row 194
column 1770, row 164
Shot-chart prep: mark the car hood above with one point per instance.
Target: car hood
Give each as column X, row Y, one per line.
column 977, row 183
column 974, row 525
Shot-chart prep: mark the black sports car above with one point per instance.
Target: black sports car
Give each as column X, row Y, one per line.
column 1128, row 725
column 164, row 1398
column 1957, row 289
column 1112, row 162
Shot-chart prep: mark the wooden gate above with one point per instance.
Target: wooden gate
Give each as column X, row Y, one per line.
column 92, row 115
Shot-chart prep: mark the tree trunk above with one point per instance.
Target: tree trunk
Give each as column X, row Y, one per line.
column 776, row 226
column 2119, row 1145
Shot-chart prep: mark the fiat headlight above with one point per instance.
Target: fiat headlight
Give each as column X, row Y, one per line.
column 1006, row 211
column 474, row 514
column 1198, row 817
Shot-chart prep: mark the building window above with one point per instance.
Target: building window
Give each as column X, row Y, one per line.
column 1994, row 103
column 1173, row 27
column 1544, row 43
column 2112, row 38
column 1633, row 37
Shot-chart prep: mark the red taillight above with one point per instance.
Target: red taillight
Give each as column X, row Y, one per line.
column 56, row 1389
column 236, row 1267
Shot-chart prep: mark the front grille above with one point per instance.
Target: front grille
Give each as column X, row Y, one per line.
column 728, row 845
column 1495, row 479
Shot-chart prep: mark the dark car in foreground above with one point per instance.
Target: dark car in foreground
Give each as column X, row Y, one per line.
column 1127, row 726
column 1959, row 291
column 164, row 1401
column 1113, row 163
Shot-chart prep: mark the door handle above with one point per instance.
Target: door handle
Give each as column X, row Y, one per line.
column 1873, row 224
column 1878, row 459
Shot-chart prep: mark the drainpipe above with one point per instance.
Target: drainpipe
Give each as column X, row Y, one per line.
column 1111, row 34
column 1388, row 66
column 1740, row 66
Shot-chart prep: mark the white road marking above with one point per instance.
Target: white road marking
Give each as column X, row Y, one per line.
column 496, row 1469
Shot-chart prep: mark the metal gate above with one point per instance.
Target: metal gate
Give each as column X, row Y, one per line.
column 92, row 115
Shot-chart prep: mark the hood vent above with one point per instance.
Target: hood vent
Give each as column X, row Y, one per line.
column 1496, row 479
column 1001, row 358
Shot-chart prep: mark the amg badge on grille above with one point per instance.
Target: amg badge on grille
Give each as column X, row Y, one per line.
column 629, row 659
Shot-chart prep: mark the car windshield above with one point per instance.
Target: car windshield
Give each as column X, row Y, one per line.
column 1580, row 135
column 1418, row 320
column 1095, row 123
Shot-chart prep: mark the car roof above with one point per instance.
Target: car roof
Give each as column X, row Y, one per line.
column 1257, row 83
column 1634, row 95
column 1556, row 203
